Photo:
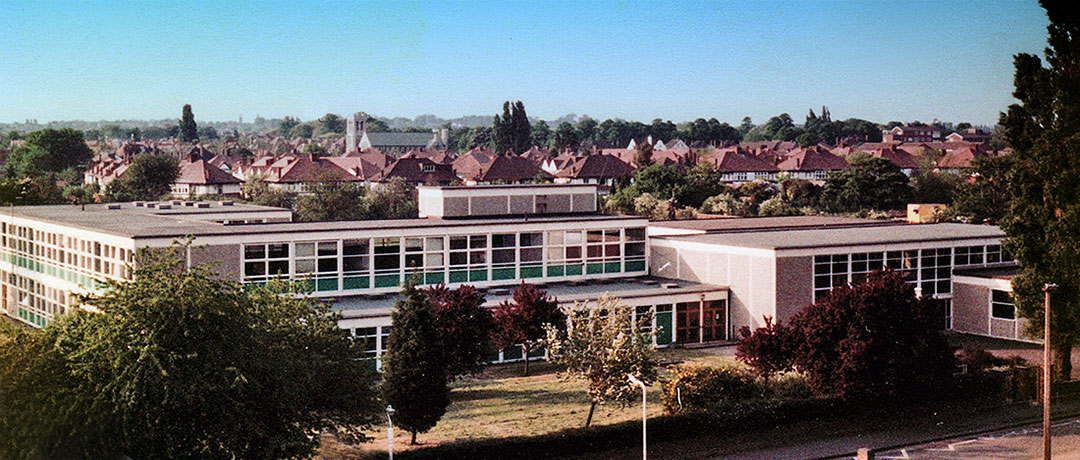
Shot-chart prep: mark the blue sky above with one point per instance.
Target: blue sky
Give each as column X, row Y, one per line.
column 63, row 60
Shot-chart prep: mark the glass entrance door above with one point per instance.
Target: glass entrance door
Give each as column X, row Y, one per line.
column 714, row 321
column 687, row 322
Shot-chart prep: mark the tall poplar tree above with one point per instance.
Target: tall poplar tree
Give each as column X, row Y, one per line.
column 189, row 131
column 501, row 131
column 520, row 129
column 1043, row 220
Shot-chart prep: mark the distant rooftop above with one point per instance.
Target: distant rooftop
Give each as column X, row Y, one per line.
column 770, row 238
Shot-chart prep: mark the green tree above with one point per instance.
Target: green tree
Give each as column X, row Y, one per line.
column 313, row 148
column 332, row 200
column 182, row 364
column 871, row 183
column 1043, row 218
column 150, row 177
column 415, row 381
column 395, row 199
column 501, row 138
column 259, row 192
column 522, row 319
column 520, row 130
column 207, row 133
column 286, row 125
column 541, row 134
column 985, row 197
column 601, row 345
column 930, row 186
column 566, row 138
column 331, row 123
column 304, row 131
column 65, row 148
column 26, row 161
column 189, row 130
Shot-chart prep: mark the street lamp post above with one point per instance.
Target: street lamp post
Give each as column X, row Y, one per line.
column 390, row 432
column 1046, row 371
column 644, row 443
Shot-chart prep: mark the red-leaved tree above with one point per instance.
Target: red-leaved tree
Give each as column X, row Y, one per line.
column 769, row 349
column 872, row 340
column 464, row 325
column 521, row 320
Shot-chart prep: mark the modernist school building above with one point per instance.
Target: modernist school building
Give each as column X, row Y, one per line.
column 702, row 279
column 492, row 237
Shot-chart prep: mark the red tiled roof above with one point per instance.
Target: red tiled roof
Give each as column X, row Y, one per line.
column 413, row 171
column 813, row 159
column 596, row 166
column 306, row 168
column 203, row 173
column 731, row 160
column 511, row 168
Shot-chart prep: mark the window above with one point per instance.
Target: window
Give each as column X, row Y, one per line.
column 829, row 272
column 263, row 261
column 355, row 259
column 935, row 271
column 1001, row 305
column 993, row 254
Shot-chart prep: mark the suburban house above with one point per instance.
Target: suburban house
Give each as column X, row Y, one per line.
column 811, row 163
column 199, row 177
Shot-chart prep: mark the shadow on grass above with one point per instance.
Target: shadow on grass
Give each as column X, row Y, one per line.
column 530, row 394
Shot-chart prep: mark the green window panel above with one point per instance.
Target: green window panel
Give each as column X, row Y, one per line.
column 355, row 282
column 573, row 270
column 556, row 270
column 433, row 277
column 513, row 352
column 594, row 269
column 477, row 275
column 663, row 322
column 459, row 276
column 635, row 266
column 255, row 284
column 327, row 284
column 537, row 353
column 532, row 272
column 502, row 273
column 371, row 364
column 382, row 281
column 612, row 267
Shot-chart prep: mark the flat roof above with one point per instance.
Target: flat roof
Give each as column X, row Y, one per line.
column 497, row 186
column 753, row 224
column 845, row 236
column 1001, row 272
column 565, row 292
column 140, row 222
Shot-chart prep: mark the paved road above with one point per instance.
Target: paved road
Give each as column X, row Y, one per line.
column 1018, row 443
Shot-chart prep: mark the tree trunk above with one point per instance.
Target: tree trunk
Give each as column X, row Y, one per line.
column 525, row 349
column 592, row 408
column 1063, row 359
column 413, row 440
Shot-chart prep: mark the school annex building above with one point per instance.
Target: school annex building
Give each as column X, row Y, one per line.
column 701, row 279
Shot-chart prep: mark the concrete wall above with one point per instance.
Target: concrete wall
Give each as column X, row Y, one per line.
column 752, row 279
column 794, row 285
column 971, row 308
column 222, row 259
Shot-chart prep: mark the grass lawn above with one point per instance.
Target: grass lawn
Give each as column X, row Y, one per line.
column 500, row 403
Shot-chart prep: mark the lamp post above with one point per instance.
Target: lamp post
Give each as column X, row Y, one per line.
column 1046, row 370
column 644, row 443
column 390, row 432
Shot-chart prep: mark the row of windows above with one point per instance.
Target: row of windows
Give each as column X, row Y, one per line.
column 929, row 269
column 502, row 253
column 21, row 293
column 59, row 250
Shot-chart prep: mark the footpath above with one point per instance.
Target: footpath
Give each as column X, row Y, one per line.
column 841, row 437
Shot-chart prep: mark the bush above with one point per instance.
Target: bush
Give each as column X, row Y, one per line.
column 790, row 386
column 768, row 349
column 706, row 388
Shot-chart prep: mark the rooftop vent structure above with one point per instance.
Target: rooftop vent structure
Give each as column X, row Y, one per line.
column 505, row 200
